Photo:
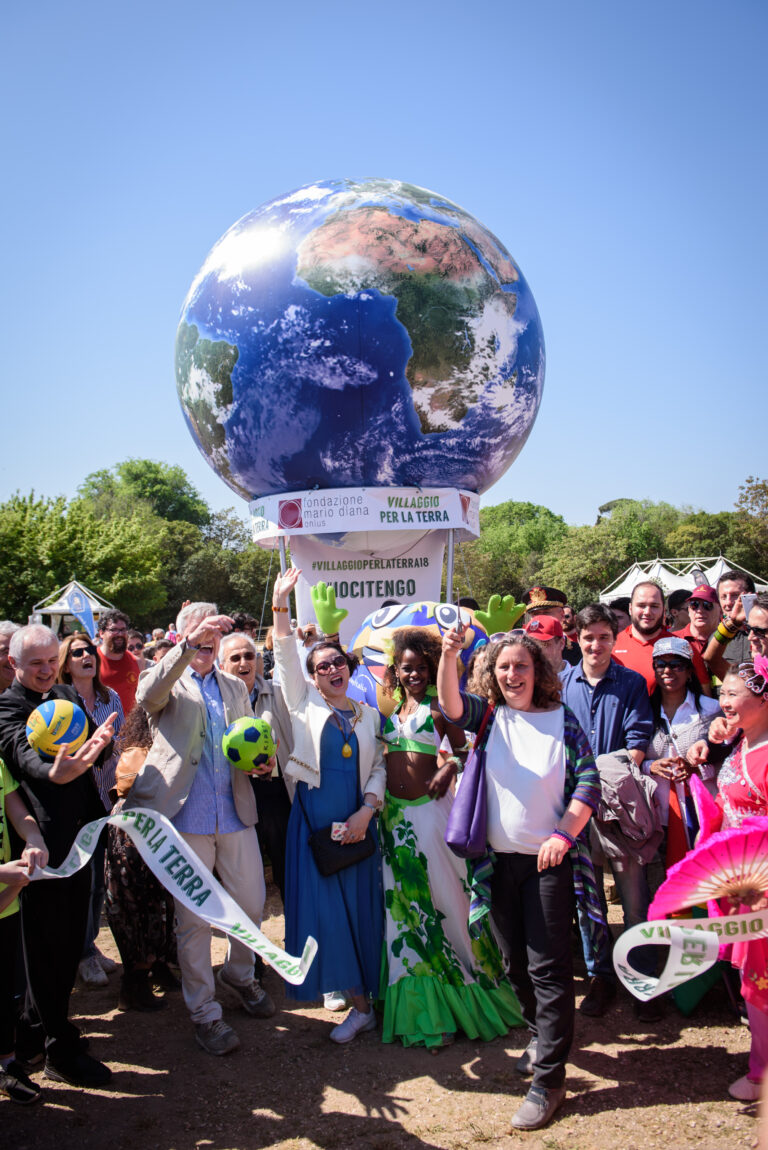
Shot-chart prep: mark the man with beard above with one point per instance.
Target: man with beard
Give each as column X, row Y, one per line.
column 6, row 670
column 119, row 670
column 62, row 796
column 634, row 646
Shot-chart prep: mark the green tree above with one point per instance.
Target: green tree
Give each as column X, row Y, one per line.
column 752, row 509
column 163, row 487
column 46, row 542
column 586, row 559
column 722, row 533
column 514, row 537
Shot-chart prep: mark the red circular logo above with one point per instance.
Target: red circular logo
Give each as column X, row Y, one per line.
column 289, row 514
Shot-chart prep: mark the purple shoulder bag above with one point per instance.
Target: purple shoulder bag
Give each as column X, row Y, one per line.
column 465, row 833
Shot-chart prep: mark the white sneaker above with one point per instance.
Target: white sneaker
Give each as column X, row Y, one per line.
column 355, row 1023
column 90, row 972
column 107, row 964
column 745, row 1090
column 334, row 1000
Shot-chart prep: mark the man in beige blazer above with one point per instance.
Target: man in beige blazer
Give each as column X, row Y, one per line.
column 187, row 778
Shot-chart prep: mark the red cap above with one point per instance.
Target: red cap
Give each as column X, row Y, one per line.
column 544, row 627
column 708, row 594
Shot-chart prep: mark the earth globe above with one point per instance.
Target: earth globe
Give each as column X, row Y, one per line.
column 359, row 333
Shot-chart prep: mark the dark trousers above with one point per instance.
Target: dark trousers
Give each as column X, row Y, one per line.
column 9, row 942
column 54, row 915
column 533, row 912
column 274, row 808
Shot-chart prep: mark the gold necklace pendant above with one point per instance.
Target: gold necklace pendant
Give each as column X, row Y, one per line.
column 346, row 751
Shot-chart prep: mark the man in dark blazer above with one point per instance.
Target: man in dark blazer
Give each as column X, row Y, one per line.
column 62, row 796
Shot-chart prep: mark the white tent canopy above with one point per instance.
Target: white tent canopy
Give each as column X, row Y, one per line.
column 62, row 604
column 676, row 574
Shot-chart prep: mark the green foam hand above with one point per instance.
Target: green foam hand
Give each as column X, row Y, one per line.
column 502, row 614
column 329, row 616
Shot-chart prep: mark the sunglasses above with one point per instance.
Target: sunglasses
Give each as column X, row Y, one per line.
column 81, row 652
column 761, row 632
column 500, row 636
column 135, row 646
column 701, row 605
column 674, row 664
column 328, row 665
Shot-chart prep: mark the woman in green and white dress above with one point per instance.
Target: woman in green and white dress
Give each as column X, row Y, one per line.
column 436, row 979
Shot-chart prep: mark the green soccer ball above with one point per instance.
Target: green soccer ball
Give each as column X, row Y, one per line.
column 248, row 743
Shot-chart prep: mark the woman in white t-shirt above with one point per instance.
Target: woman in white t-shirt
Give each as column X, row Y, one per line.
column 541, row 786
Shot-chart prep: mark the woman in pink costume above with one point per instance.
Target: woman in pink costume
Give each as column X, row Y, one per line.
column 742, row 786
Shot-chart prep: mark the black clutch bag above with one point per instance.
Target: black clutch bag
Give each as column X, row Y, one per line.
column 331, row 857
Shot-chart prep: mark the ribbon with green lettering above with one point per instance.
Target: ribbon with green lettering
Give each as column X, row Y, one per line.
column 174, row 863
column 694, row 944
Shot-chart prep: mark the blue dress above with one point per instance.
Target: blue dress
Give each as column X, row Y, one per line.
column 314, row 904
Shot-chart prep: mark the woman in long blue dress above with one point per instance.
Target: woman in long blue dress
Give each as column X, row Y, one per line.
column 338, row 769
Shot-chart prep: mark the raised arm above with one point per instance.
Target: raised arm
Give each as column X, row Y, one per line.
column 448, row 690
column 292, row 681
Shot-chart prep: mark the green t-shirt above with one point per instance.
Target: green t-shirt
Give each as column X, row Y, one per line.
column 7, row 784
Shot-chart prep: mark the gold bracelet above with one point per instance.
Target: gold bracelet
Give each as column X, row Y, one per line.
column 279, row 610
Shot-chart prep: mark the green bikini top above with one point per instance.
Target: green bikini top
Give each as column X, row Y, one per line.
column 414, row 733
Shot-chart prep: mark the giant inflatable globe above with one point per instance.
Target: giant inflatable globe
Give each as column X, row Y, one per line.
column 359, row 333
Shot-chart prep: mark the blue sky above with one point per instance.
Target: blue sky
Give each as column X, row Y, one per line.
column 617, row 150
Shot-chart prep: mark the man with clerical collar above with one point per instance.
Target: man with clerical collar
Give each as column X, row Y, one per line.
column 63, row 797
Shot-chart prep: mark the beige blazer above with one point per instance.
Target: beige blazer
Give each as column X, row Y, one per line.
column 309, row 714
column 177, row 719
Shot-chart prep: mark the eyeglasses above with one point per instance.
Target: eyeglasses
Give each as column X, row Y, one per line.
column 81, row 652
column 761, row 632
column 116, row 630
column 701, row 605
column 328, row 665
column 673, row 664
column 135, row 646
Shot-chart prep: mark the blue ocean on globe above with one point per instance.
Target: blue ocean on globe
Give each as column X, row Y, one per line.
column 355, row 334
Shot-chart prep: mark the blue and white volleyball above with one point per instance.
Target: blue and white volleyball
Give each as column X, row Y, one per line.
column 56, row 723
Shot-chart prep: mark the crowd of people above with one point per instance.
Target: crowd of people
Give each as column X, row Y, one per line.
column 588, row 727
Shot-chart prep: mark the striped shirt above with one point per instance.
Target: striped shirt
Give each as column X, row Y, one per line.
column 104, row 776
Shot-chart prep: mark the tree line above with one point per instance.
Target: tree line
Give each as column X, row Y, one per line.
column 140, row 535
column 522, row 544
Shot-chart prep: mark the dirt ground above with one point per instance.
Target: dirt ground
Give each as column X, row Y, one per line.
column 289, row 1088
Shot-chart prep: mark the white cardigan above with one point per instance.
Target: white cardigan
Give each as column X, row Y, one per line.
column 309, row 714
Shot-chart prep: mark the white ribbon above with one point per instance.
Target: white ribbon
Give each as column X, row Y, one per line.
column 694, row 945
column 174, row 863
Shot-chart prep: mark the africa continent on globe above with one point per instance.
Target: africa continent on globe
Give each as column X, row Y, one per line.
column 359, row 333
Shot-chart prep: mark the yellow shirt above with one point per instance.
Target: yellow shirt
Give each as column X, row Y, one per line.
column 7, row 785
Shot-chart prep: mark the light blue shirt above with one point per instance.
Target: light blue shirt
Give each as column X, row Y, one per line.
column 210, row 804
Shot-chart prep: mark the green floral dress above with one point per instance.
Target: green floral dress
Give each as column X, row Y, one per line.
column 435, row 978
